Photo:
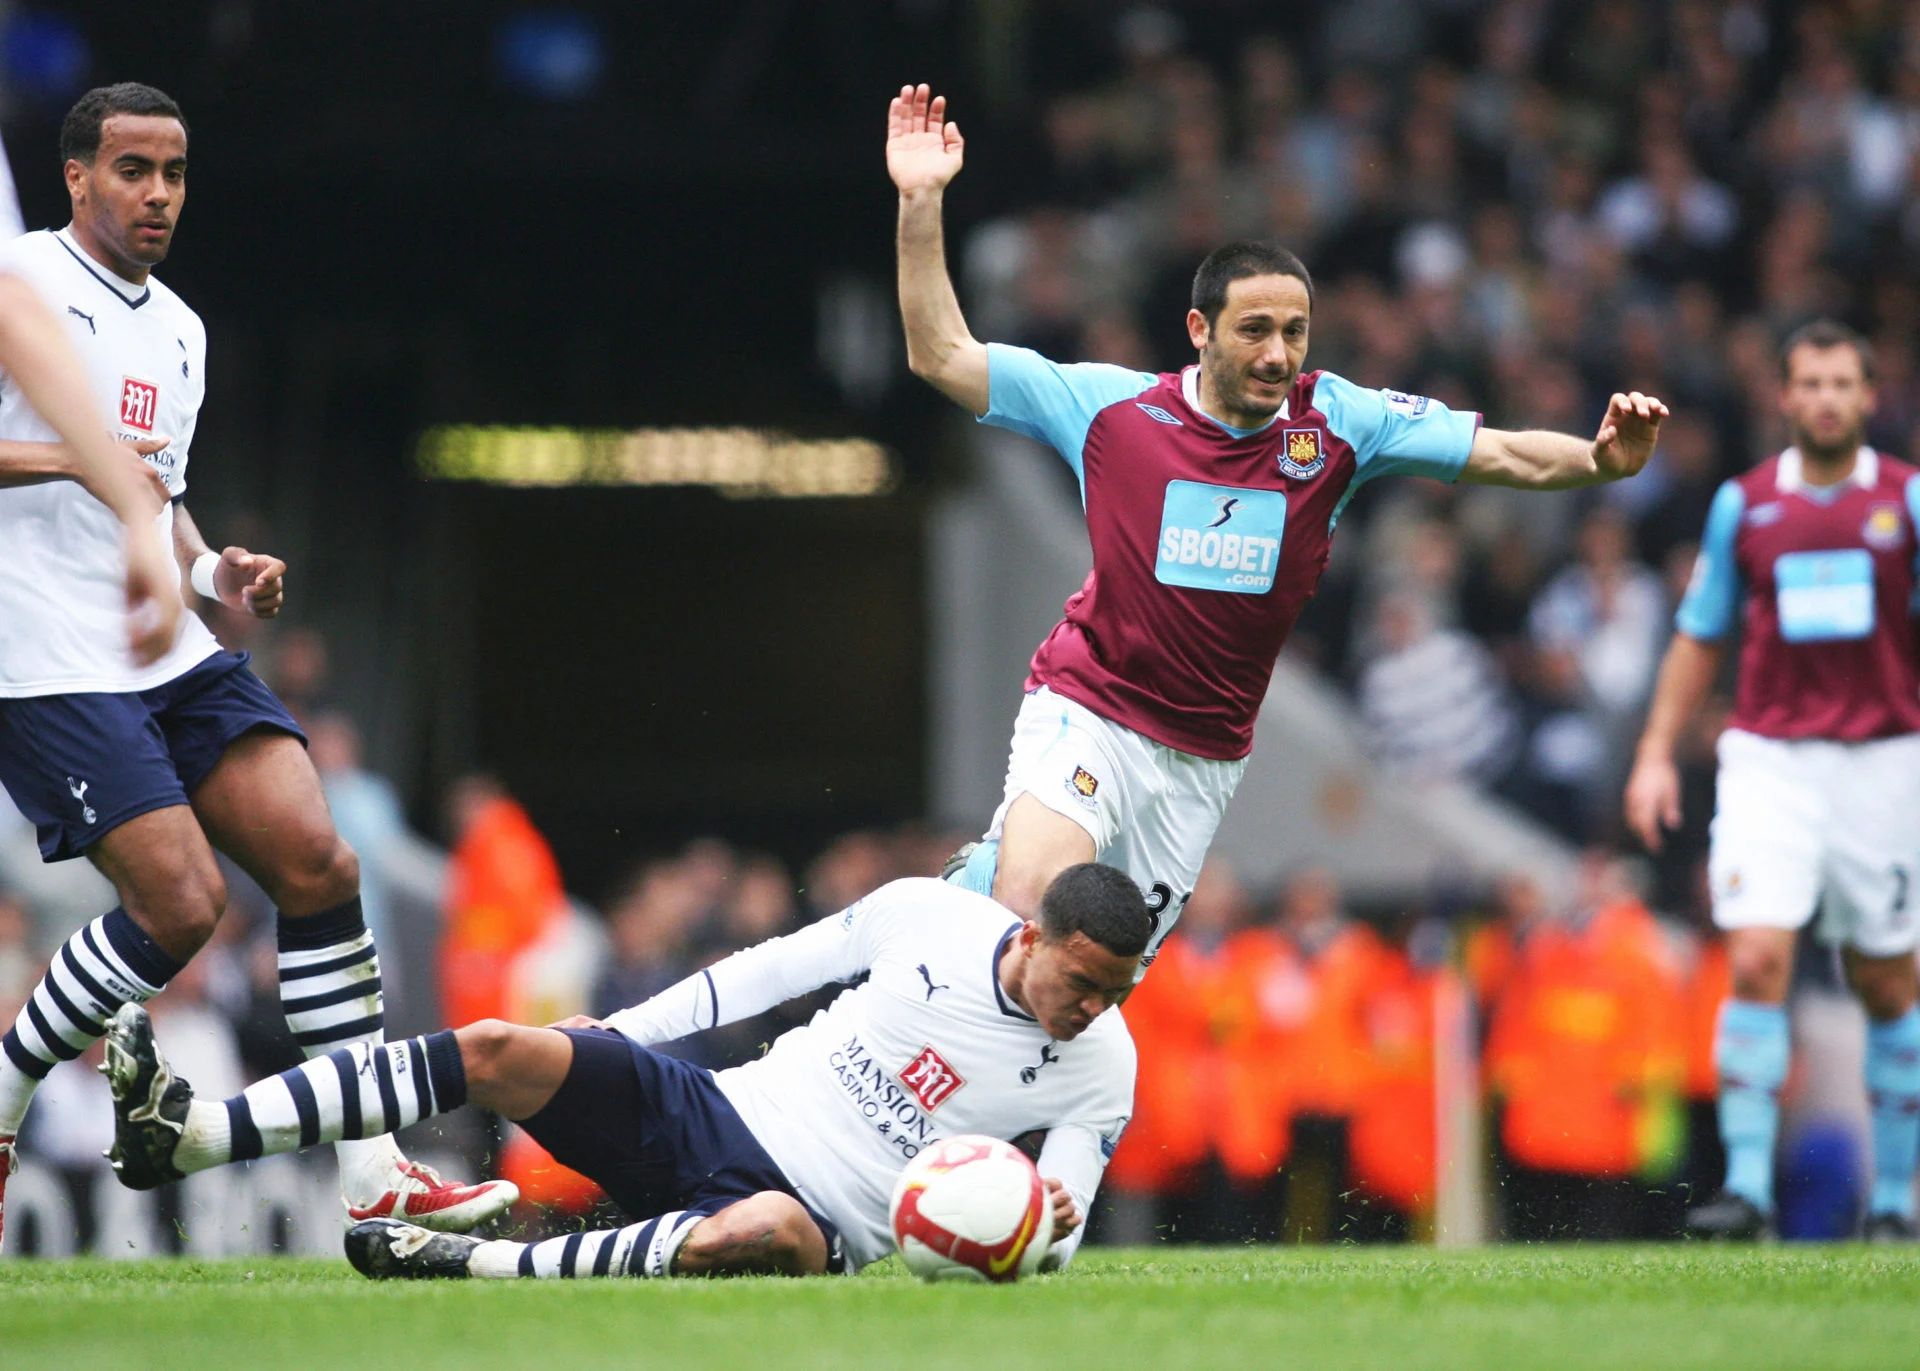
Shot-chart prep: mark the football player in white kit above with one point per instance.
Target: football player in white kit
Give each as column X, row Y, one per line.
column 37, row 355
column 969, row 1021
column 145, row 769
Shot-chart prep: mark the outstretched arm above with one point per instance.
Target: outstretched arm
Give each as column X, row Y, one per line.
column 924, row 153
column 1538, row 460
column 38, row 356
column 837, row 948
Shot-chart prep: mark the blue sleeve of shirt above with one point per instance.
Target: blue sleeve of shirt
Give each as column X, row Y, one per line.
column 1053, row 403
column 1393, row 434
column 1713, row 593
column 1913, row 514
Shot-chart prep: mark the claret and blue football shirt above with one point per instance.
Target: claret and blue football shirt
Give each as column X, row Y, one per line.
column 1207, row 540
column 1827, row 576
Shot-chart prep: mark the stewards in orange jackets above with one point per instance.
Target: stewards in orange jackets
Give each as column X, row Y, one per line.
column 1585, row 1037
column 503, row 892
column 1391, row 1137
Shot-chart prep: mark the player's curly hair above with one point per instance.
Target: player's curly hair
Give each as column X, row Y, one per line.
column 80, row 130
column 1822, row 334
column 1236, row 262
column 1101, row 902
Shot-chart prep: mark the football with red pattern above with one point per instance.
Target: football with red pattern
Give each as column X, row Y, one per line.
column 971, row 1209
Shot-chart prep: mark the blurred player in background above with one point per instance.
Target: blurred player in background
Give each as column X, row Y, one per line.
column 39, row 359
column 967, row 1021
column 1817, row 805
column 1211, row 497
column 144, row 769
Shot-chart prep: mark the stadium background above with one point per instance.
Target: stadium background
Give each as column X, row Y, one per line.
column 722, row 710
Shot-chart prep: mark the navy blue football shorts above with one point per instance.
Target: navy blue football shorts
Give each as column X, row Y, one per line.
column 81, row 765
column 657, row 1134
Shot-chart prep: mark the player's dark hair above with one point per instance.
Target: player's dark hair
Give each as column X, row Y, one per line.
column 1101, row 902
column 1822, row 334
column 80, row 130
column 1236, row 262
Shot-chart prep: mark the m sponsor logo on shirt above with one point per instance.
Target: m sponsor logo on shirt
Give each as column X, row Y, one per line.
column 882, row 1102
column 139, row 403
column 931, row 1079
column 1300, row 453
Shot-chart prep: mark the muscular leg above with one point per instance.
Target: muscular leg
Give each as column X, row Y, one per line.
column 512, row 1069
column 165, row 875
column 364, row 1090
column 1888, row 987
column 515, row 1070
column 768, row 1234
column 171, row 896
column 262, row 805
column 1036, row 844
column 1751, row 1051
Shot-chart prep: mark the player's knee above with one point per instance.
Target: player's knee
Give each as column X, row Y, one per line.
column 769, row 1232
column 485, row 1046
column 318, row 870
column 180, row 903
column 1759, row 970
column 1886, row 988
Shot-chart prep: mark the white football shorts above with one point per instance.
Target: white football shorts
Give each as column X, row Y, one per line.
column 1150, row 809
column 1812, row 826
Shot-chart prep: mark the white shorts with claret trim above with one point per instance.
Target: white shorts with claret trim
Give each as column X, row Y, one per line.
column 1809, row 826
column 1150, row 809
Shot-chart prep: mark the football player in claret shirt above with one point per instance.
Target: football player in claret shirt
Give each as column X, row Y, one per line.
column 1817, row 804
column 1211, row 496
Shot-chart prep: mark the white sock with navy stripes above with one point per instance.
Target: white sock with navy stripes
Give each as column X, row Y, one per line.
column 639, row 1249
column 330, row 992
column 359, row 1092
column 110, row 962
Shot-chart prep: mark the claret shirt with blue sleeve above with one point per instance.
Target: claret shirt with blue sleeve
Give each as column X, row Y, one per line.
column 1208, row 540
column 1821, row 582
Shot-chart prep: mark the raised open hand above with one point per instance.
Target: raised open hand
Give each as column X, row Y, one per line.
column 924, row 152
column 1627, row 434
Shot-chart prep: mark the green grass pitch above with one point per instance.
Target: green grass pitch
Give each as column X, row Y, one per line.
column 1564, row 1307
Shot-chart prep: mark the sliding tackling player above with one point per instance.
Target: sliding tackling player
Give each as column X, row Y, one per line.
column 969, row 1021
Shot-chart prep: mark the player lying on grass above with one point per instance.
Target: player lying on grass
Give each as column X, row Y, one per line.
column 970, row 1021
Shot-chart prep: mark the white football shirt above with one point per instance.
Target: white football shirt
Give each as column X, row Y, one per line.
column 927, row 1047
column 11, row 224
column 63, row 609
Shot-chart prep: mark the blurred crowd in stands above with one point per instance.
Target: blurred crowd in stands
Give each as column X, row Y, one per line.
column 1516, row 207
column 1513, row 206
